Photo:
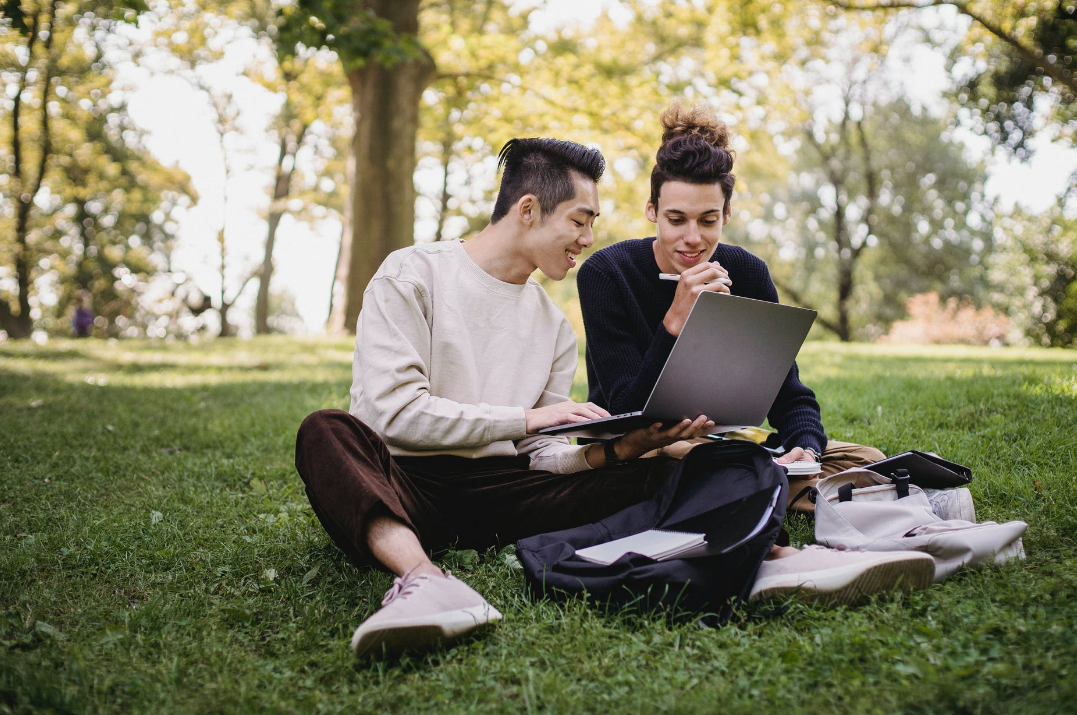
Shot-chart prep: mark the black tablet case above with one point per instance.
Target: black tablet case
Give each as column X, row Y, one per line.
column 925, row 470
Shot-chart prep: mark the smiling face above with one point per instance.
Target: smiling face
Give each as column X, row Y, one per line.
column 688, row 224
column 556, row 242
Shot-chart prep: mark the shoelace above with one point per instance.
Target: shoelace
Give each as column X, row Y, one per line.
column 836, row 547
column 405, row 585
column 402, row 586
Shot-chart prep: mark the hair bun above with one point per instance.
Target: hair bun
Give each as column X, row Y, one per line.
column 701, row 119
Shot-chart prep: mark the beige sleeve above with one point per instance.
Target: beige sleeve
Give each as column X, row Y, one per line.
column 392, row 364
column 555, row 454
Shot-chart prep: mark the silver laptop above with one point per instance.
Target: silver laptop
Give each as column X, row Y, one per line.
column 730, row 360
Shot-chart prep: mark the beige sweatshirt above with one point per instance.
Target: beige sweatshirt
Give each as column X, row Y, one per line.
column 447, row 358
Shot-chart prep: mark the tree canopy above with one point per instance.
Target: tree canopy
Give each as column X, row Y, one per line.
column 388, row 116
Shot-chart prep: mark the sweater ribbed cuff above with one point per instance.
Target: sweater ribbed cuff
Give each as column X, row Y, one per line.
column 506, row 423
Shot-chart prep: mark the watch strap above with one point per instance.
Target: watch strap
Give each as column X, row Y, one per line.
column 610, row 450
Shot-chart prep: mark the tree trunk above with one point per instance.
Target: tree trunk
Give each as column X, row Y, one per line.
column 845, row 291
column 447, row 142
column 385, row 101
column 227, row 331
column 21, row 325
column 289, row 147
column 261, row 305
column 335, row 324
column 845, row 265
column 226, row 328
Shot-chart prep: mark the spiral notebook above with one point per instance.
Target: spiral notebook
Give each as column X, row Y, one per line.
column 655, row 543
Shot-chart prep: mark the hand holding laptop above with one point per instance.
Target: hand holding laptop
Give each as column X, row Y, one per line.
column 632, row 444
column 638, row 442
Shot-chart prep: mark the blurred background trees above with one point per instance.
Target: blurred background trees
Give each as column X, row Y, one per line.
column 85, row 206
column 366, row 125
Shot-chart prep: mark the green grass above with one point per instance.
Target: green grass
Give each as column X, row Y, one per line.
column 157, row 554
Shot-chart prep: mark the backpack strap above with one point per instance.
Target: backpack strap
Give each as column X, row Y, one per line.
column 901, row 481
column 808, row 491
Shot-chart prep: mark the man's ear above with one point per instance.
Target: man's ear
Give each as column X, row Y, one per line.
column 727, row 214
column 651, row 212
column 527, row 209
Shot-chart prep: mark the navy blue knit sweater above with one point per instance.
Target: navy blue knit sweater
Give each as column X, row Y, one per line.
column 624, row 302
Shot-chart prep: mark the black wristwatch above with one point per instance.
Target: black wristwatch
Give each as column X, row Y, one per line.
column 612, row 460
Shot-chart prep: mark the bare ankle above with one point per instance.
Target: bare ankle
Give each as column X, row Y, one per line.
column 427, row 568
column 780, row 552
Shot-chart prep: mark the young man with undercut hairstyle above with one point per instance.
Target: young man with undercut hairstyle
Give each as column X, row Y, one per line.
column 460, row 359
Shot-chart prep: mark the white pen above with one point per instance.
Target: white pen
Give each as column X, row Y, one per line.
column 677, row 277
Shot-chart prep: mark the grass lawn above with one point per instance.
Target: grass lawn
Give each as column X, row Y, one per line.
column 157, row 554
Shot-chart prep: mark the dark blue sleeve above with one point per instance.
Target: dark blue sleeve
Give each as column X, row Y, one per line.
column 795, row 412
column 625, row 370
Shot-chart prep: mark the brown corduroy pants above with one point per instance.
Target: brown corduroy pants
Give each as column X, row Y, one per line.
column 447, row 500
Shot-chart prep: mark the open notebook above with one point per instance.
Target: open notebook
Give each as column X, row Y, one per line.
column 655, row 543
column 661, row 545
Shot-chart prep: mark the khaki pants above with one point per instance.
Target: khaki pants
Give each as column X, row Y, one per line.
column 837, row 457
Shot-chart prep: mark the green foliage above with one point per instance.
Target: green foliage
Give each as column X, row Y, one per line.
column 309, row 129
column 315, row 115
column 1035, row 271
column 499, row 77
column 121, row 10
column 472, row 107
column 1005, row 89
column 356, row 33
column 173, row 564
column 1015, row 61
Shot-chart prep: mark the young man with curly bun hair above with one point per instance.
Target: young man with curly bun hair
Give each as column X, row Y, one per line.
column 632, row 318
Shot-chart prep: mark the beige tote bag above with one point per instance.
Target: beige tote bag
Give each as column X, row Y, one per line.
column 863, row 510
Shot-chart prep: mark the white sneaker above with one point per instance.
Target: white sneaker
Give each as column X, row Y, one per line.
column 819, row 574
column 420, row 612
column 1016, row 550
column 951, row 504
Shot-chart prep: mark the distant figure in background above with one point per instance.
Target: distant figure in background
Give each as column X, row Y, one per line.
column 83, row 320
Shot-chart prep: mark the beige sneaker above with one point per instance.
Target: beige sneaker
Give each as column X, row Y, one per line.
column 950, row 504
column 420, row 612
column 836, row 577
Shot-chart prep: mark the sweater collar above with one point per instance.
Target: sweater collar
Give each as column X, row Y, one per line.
column 485, row 279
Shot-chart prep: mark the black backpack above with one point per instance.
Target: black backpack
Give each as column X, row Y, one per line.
column 732, row 491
